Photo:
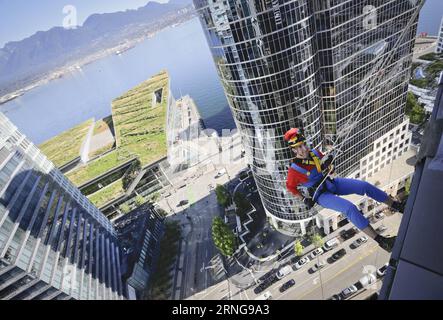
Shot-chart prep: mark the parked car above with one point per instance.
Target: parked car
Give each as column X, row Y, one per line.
column 379, row 215
column 331, row 244
column 357, row 243
column 316, row 253
column 265, row 296
column 283, row 272
column 260, row 288
column 382, row 271
column 336, row 297
column 267, row 275
column 183, row 203
column 348, row 234
column 367, row 280
column 220, row 173
column 287, row 285
column 349, row 291
column 338, row 255
column 301, row 262
column 381, row 229
column 317, row 266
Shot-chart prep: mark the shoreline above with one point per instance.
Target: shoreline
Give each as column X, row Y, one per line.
column 76, row 66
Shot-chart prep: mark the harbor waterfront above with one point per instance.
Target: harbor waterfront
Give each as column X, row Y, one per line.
column 87, row 93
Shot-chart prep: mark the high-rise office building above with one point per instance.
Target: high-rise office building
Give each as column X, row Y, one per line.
column 439, row 48
column 54, row 244
column 307, row 63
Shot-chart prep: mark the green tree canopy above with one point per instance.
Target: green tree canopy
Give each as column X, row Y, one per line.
column 223, row 237
column 298, row 249
column 242, row 203
column 140, row 200
column 414, row 110
column 223, row 196
column 317, row 240
column 125, row 208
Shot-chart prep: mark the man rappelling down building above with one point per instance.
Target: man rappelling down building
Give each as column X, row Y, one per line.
column 306, row 181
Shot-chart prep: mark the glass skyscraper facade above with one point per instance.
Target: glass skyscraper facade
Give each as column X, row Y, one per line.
column 307, row 63
column 54, row 244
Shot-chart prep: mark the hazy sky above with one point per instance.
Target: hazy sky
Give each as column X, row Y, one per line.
column 20, row 19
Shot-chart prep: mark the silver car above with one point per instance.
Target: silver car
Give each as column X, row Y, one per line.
column 357, row 243
column 349, row 291
column 318, row 266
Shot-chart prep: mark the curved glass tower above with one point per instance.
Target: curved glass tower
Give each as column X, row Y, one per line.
column 265, row 56
column 305, row 63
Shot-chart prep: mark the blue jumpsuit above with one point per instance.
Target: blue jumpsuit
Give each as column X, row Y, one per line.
column 328, row 195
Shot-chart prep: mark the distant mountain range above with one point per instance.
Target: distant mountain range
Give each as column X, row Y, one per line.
column 23, row 60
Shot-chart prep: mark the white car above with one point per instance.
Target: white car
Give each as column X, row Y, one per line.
column 220, row 173
column 283, row 272
column 265, row 296
column 382, row 271
column 331, row 244
column 316, row 253
column 300, row 263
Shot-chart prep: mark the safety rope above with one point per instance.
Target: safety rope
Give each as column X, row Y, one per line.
column 366, row 94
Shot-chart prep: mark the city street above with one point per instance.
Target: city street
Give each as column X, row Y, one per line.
column 200, row 274
column 198, row 260
column 330, row 280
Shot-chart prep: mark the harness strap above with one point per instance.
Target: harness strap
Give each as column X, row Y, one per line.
column 315, row 155
column 300, row 169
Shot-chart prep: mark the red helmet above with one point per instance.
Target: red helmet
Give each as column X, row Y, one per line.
column 294, row 137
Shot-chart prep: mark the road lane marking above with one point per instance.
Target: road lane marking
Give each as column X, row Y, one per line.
column 323, row 270
column 369, row 252
column 214, row 289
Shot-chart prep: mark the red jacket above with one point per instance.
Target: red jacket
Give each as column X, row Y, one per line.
column 296, row 178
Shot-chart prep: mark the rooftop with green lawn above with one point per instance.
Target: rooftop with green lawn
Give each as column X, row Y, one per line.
column 65, row 147
column 139, row 126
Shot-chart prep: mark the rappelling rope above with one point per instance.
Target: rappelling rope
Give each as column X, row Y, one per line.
column 373, row 80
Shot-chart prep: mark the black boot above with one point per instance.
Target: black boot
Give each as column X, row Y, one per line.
column 385, row 242
column 398, row 206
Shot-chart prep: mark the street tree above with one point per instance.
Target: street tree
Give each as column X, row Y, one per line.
column 223, row 196
column 298, row 249
column 414, row 110
column 242, row 204
column 140, row 200
column 125, row 208
column 223, row 237
column 317, row 240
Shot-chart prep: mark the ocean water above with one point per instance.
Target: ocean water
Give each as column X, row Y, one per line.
column 61, row 104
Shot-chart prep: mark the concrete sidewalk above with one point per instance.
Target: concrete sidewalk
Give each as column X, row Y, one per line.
column 177, row 272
